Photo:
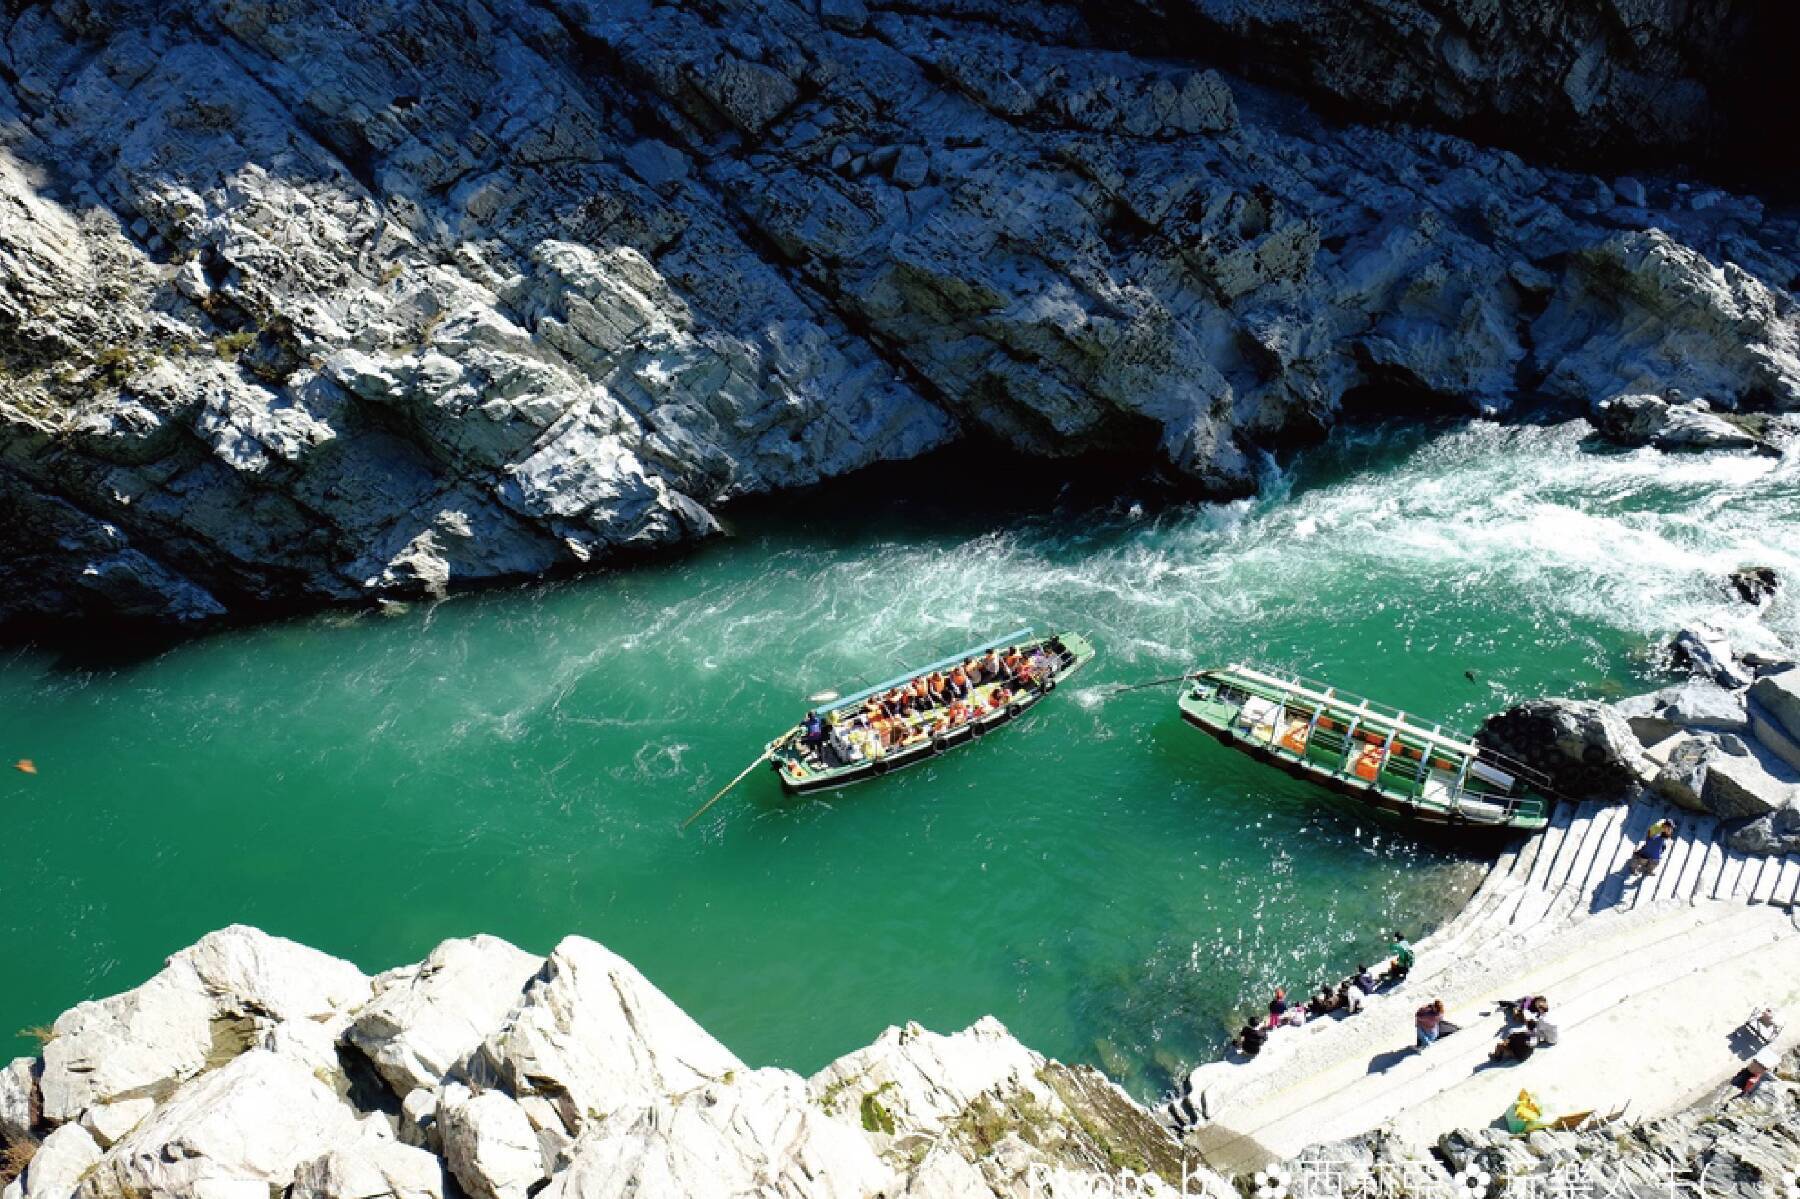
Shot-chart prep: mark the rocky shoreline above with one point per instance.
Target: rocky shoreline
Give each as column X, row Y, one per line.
column 251, row 1065
column 254, row 1065
column 344, row 300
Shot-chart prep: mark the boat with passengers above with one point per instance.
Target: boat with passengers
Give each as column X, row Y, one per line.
column 1393, row 761
column 903, row 722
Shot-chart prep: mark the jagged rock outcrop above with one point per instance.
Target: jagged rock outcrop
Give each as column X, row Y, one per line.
column 347, row 298
column 1582, row 78
column 212, row 1001
column 587, row 1083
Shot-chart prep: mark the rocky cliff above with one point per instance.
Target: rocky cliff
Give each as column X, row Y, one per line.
column 335, row 299
column 252, row 1066
column 1579, row 79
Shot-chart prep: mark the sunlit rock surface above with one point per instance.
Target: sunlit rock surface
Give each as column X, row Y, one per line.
column 329, row 301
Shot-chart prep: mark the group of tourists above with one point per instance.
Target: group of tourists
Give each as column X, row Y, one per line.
column 1348, row 997
column 932, row 704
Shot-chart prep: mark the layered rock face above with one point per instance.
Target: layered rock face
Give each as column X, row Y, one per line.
column 341, row 299
column 1578, row 77
column 252, row 1065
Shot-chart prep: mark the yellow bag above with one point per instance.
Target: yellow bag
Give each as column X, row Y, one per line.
column 1525, row 1115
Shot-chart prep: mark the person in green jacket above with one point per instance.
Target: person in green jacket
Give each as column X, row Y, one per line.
column 1400, row 957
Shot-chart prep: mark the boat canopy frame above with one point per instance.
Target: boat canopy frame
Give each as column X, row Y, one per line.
column 956, row 659
column 1321, row 696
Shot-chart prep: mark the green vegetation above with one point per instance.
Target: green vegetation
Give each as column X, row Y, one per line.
column 230, row 345
column 876, row 1118
column 41, row 1033
column 113, row 365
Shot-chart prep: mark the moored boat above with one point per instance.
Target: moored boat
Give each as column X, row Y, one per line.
column 847, row 749
column 1394, row 762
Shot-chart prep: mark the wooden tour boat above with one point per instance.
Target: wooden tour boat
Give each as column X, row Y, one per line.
column 849, row 754
column 1398, row 764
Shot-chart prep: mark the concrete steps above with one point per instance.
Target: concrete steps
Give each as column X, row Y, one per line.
column 1556, row 914
column 1351, row 1095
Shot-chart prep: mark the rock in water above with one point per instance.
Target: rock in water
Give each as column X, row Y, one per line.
column 1756, row 585
column 1706, row 651
column 1587, row 749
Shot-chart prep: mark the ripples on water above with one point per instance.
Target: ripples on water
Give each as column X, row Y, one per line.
column 1111, row 885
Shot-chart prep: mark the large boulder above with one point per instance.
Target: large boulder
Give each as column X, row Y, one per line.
column 1778, row 694
column 759, row 1134
column 1651, row 420
column 370, row 1169
column 1722, row 774
column 1697, row 704
column 245, row 1126
column 1586, row 748
column 1705, row 651
column 489, row 1143
column 1756, row 585
column 593, row 1035
column 1771, row 834
column 1742, row 784
column 60, row 1163
column 209, row 1002
column 18, row 1100
column 425, row 1020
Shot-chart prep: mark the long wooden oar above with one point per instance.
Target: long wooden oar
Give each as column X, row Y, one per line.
column 742, row 775
column 1174, row 678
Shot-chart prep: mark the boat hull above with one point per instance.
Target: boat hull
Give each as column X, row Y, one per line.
column 1081, row 652
column 1478, row 814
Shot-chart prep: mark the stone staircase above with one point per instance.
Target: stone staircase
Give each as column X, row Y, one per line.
column 1558, row 915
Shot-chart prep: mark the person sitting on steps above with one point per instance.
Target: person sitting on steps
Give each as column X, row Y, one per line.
column 1428, row 1023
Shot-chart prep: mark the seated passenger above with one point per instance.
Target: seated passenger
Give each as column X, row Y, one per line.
column 958, row 683
column 998, row 697
column 971, row 670
column 939, row 692
column 921, row 697
column 992, row 669
column 894, row 703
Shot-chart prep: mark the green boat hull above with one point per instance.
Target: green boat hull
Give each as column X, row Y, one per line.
column 1420, row 779
column 801, row 776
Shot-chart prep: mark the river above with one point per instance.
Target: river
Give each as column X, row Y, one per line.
column 1110, row 884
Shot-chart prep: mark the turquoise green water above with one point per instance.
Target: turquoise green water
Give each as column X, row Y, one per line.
column 1108, row 883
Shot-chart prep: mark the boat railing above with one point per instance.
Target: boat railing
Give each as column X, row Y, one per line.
column 1319, row 694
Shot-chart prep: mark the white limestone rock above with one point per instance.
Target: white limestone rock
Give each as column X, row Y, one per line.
column 60, row 1163
column 488, row 1143
column 369, row 1168
column 592, row 1035
column 18, row 1099
column 1778, row 694
column 206, row 1004
column 417, row 1027
column 110, row 1123
column 757, row 1134
column 247, row 1125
